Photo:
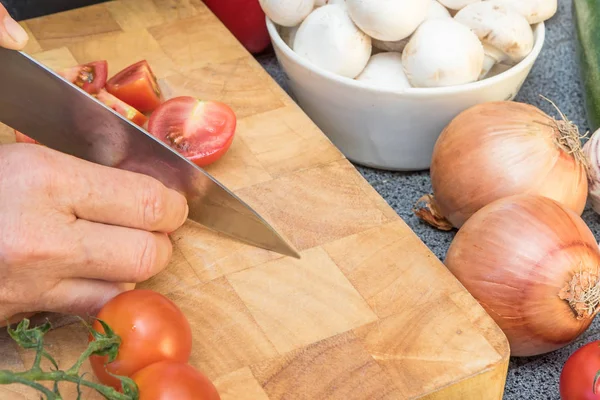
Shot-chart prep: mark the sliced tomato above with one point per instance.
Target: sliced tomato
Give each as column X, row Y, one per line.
column 136, row 85
column 122, row 108
column 22, row 138
column 90, row 77
column 200, row 130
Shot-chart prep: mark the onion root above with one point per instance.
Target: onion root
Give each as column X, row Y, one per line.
column 431, row 213
column 582, row 293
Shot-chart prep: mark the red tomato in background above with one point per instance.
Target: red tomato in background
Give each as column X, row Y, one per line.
column 152, row 329
column 578, row 373
column 245, row 19
column 201, row 131
column 169, row 380
column 90, row 77
column 122, row 108
column 22, row 138
column 137, row 86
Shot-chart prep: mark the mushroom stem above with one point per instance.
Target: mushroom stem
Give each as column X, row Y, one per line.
column 492, row 56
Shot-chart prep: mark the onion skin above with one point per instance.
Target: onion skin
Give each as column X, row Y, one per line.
column 498, row 149
column 592, row 152
column 518, row 256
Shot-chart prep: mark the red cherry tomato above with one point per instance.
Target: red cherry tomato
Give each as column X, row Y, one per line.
column 136, row 85
column 578, row 373
column 90, row 77
column 245, row 19
column 22, row 138
column 202, row 131
column 169, row 380
column 122, row 108
column 152, row 328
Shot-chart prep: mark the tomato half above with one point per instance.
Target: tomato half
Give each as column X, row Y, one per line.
column 122, row 108
column 578, row 373
column 90, row 77
column 202, row 131
column 169, row 380
column 22, row 138
column 136, row 85
column 152, row 328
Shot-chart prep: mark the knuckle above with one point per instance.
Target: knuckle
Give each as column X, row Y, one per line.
column 154, row 207
column 147, row 257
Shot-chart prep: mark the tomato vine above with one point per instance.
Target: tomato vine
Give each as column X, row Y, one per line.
column 105, row 344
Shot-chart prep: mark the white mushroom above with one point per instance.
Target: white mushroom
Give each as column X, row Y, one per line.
column 287, row 12
column 506, row 35
column 288, row 34
column 535, row 11
column 389, row 20
column 330, row 40
column 457, row 4
column 442, row 52
column 384, row 70
column 319, row 3
column 436, row 10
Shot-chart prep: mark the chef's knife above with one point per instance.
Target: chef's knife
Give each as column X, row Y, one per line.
column 39, row 103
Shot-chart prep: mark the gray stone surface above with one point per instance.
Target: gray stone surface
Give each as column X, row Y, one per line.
column 555, row 75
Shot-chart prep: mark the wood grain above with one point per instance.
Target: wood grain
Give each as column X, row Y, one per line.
column 367, row 313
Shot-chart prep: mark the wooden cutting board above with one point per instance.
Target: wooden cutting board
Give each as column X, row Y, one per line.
column 367, row 313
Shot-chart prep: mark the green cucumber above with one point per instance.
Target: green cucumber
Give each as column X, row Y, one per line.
column 586, row 19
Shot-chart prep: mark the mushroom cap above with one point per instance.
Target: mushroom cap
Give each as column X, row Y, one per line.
column 500, row 27
column 442, row 52
column 457, row 4
column 330, row 40
column 384, row 70
column 436, row 10
column 388, row 19
column 287, row 12
column 319, row 3
column 535, row 11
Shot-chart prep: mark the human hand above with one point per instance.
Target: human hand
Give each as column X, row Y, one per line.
column 12, row 35
column 72, row 233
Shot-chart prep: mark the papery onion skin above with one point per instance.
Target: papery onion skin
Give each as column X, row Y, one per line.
column 517, row 256
column 497, row 149
column 592, row 152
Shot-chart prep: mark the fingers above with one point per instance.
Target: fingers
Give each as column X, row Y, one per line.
column 81, row 297
column 12, row 35
column 114, row 253
column 118, row 197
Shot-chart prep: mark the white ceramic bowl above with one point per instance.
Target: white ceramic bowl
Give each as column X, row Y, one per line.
column 387, row 129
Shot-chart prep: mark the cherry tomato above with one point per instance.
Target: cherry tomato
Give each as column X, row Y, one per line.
column 168, row 380
column 136, row 85
column 122, row 108
column 90, row 77
column 152, row 328
column 578, row 373
column 202, row 131
column 22, row 138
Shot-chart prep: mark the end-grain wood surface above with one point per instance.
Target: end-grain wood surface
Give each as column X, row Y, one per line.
column 367, row 313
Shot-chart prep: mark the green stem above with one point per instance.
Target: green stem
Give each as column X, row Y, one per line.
column 7, row 377
column 31, row 377
column 99, row 344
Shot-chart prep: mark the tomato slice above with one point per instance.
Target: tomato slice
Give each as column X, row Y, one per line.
column 151, row 327
column 167, row 380
column 22, row 138
column 90, row 77
column 122, row 108
column 136, row 85
column 201, row 131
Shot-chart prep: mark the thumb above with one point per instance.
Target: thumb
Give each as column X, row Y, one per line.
column 12, row 35
column 81, row 297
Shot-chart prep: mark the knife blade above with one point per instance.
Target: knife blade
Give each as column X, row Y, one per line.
column 41, row 104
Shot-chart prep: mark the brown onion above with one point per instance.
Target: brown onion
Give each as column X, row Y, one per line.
column 533, row 265
column 498, row 149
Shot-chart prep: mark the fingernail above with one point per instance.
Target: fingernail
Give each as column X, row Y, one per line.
column 15, row 31
column 187, row 211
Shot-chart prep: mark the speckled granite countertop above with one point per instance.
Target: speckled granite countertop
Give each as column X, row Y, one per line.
column 556, row 76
